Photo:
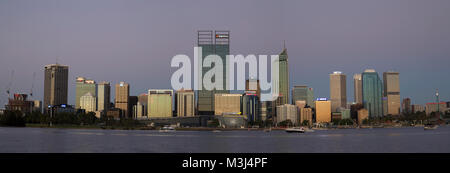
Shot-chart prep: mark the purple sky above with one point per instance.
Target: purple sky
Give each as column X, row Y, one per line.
column 134, row 40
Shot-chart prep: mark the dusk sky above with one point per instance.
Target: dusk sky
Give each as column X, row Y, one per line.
column 135, row 40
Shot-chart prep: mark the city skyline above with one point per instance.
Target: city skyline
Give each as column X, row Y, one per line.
column 80, row 41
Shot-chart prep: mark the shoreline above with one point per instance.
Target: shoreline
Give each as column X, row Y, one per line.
column 65, row 126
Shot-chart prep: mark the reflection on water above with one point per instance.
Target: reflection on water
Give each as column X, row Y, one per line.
column 341, row 140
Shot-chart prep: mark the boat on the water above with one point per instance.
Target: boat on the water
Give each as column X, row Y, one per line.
column 167, row 129
column 295, row 130
column 430, row 127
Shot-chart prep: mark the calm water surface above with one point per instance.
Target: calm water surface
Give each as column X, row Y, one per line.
column 44, row 140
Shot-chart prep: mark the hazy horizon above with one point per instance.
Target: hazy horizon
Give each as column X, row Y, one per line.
column 135, row 40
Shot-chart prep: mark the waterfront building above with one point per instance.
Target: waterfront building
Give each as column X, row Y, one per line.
column 37, row 106
column 357, row 88
column 302, row 92
column 266, row 108
column 103, row 96
column 392, row 92
column 433, row 107
column 84, row 86
column 20, row 103
column 55, row 84
column 417, row 108
column 372, row 93
column 363, row 114
column 121, row 100
column 143, row 100
column 323, row 110
column 345, row 113
column 88, row 102
column 288, row 112
column 138, row 111
column 160, row 103
column 184, row 103
column 406, row 106
column 306, row 114
column 251, row 106
column 338, row 90
column 217, row 44
column 227, row 103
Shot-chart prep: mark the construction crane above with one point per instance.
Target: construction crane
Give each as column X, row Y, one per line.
column 32, row 85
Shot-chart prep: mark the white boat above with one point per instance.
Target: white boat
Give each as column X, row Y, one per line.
column 295, row 130
column 430, row 127
column 167, row 129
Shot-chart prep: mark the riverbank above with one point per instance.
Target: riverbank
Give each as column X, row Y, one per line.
column 71, row 126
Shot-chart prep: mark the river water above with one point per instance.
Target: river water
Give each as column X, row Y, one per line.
column 377, row 140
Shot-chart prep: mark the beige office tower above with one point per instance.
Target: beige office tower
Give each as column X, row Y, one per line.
column 338, row 91
column 392, row 92
column 88, row 102
column 323, row 111
column 184, row 103
column 103, row 96
column 306, row 115
column 287, row 112
column 357, row 84
column 55, row 84
column 227, row 103
column 160, row 103
column 122, row 98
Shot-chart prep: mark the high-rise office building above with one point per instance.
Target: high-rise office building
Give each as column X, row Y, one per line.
column 306, row 115
column 357, row 88
column 143, row 100
column 338, row 91
column 284, row 76
column 55, row 84
column 160, row 103
column 122, row 98
column 303, row 93
column 217, row 44
column 251, row 106
column 103, row 96
column 84, row 86
column 323, row 110
column 88, row 102
column 227, row 103
column 184, row 103
column 372, row 93
column 288, row 112
column 392, row 92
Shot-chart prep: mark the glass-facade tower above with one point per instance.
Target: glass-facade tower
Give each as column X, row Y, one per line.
column 218, row 44
column 372, row 93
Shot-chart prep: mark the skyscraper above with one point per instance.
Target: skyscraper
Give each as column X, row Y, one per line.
column 219, row 44
column 338, row 91
column 357, row 88
column 284, row 76
column 184, row 103
column 55, row 84
column 372, row 93
column 303, row 93
column 84, row 86
column 104, row 96
column 160, row 103
column 392, row 92
column 254, row 83
column 122, row 98
column 251, row 106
